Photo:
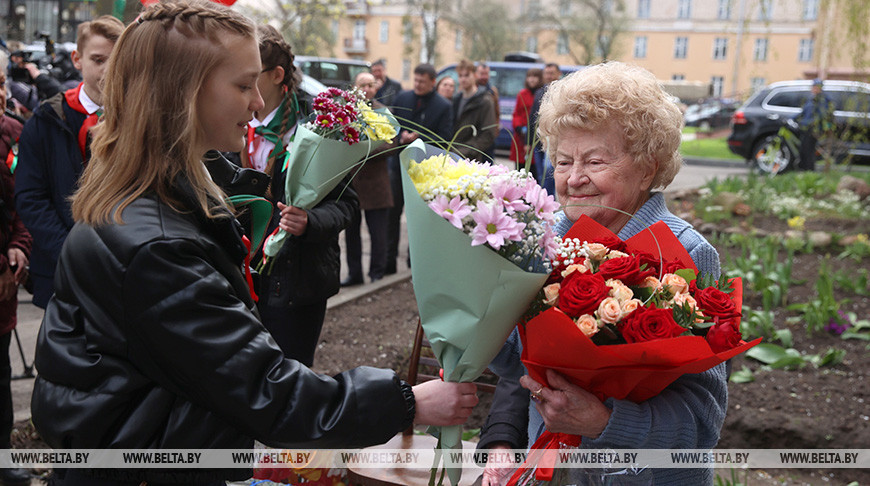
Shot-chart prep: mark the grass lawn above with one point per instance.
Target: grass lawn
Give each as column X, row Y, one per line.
column 714, row 148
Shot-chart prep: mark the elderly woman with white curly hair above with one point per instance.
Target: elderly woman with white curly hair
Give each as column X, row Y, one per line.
column 614, row 137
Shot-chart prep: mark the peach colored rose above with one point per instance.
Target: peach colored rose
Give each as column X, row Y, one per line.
column 619, row 290
column 675, row 283
column 680, row 299
column 630, row 305
column 551, row 294
column 609, row 311
column 574, row 268
column 651, row 283
column 587, row 325
column 596, row 251
column 615, row 254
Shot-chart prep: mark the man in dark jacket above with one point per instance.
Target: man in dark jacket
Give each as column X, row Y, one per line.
column 389, row 88
column 814, row 119
column 552, row 72
column 54, row 149
column 422, row 114
column 475, row 125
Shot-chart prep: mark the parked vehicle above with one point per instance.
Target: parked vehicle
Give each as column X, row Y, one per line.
column 710, row 114
column 338, row 73
column 754, row 125
column 510, row 79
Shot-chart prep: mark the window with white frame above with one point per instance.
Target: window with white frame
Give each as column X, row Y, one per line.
column 457, row 41
column 640, row 47
column 678, row 77
column 385, row 32
column 723, row 12
column 643, row 9
column 811, row 9
column 717, row 85
column 756, row 84
column 681, row 47
column 562, row 43
column 684, row 9
column 406, row 70
column 720, row 48
column 806, row 49
column 564, row 7
column 359, row 29
column 765, row 10
column 532, row 43
column 407, row 31
column 760, row 51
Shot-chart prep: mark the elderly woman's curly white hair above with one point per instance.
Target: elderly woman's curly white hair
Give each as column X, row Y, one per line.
column 629, row 97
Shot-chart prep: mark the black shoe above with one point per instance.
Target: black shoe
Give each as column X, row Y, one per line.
column 15, row 477
column 349, row 282
column 375, row 278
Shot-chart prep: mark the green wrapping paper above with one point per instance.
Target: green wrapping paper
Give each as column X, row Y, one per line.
column 469, row 298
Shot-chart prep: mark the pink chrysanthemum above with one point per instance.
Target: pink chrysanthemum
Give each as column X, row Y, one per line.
column 545, row 205
column 453, row 210
column 494, row 227
column 509, row 195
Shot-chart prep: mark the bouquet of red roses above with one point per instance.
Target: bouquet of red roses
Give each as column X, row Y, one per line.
column 626, row 319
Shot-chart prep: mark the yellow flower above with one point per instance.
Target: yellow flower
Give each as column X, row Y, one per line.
column 377, row 126
column 797, row 222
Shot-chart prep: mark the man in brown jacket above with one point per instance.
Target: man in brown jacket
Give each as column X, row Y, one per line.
column 475, row 124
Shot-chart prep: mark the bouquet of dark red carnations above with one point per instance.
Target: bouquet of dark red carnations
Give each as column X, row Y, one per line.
column 625, row 319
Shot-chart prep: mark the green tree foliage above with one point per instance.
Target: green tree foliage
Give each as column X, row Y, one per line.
column 590, row 29
column 306, row 24
column 487, row 34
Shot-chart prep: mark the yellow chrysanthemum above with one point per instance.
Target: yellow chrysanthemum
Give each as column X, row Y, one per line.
column 377, row 126
column 440, row 175
column 797, row 222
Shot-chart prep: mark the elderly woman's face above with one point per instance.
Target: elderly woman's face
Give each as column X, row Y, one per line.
column 593, row 173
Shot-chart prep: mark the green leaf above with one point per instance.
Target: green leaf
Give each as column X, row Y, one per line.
column 785, row 337
column 788, row 362
column 743, row 376
column 853, row 334
column 470, row 434
column 767, row 353
column 832, row 356
column 687, row 273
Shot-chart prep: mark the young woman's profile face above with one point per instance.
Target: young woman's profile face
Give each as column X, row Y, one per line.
column 230, row 96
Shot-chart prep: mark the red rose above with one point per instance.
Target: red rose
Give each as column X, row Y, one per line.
column 612, row 242
column 714, row 302
column 648, row 324
column 723, row 335
column 626, row 269
column 581, row 293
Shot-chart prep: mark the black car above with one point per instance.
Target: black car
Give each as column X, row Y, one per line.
column 710, row 114
column 754, row 126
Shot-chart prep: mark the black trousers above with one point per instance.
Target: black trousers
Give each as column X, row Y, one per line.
column 394, row 219
column 6, row 412
column 807, row 151
column 376, row 222
column 296, row 328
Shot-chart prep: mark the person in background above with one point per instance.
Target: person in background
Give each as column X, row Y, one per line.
column 387, row 88
column 421, row 114
column 55, row 148
column 482, row 79
column 614, row 135
column 814, row 120
column 475, row 125
column 372, row 185
column 15, row 244
column 152, row 339
column 446, row 87
column 523, row 137
column 552, row 72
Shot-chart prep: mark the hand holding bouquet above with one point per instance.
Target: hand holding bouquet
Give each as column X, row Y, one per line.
column 343, row 130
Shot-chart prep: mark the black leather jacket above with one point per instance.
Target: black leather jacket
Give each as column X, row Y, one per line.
column 152, row 341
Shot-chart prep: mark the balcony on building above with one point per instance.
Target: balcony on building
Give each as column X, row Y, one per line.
column 356, row 8
column 356, row 46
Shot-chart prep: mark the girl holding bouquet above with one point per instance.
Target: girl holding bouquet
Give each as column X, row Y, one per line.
column 152, row 340
column 614, row 137
column 305, row 273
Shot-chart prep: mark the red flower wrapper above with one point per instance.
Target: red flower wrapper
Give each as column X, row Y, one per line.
column 641, row 368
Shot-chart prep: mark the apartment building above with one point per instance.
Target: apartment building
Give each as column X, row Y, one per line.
column 736, row 46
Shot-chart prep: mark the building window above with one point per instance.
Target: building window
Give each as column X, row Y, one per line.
column 681, row 47
column 684, row 9
column 640, row 47
column 765, row 10
column 811, row 9
column 335, row 29
column 407, row 31
column 760, row 52
column 534, row 9
column 724, row 10
column 359, row 29
column 717, row 85
column 643, row 9
column 720, row 48
column 678, row 77
column 805, row 50
column 757, row 84
column 406, row 70
column 385, row 32
column 564, row 8
column 562, row 43
column 457, row 41
column 532, row 44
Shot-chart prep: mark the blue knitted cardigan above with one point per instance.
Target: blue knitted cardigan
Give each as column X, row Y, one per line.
column 688, row 414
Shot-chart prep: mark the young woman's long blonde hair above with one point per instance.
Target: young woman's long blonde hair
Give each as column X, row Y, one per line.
column 149, row 131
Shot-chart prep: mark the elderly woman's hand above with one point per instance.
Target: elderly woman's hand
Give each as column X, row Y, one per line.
column 567, row 408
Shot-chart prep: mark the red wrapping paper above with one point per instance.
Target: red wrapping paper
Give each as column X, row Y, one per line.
column 635, row 372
